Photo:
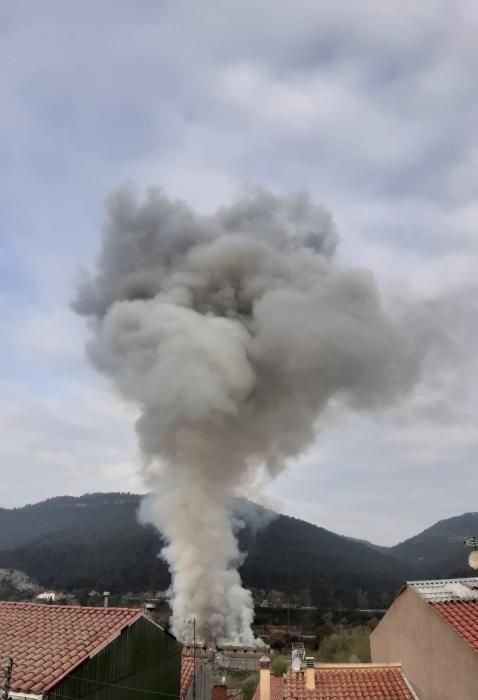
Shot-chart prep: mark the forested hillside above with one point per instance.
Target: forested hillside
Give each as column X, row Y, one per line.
column 438, row 551
column 89, row 517
column 95, row 542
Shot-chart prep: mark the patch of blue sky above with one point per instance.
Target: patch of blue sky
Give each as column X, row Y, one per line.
column 15, row 283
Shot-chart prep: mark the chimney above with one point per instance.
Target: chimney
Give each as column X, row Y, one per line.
column 309, row 673
column 219, row 692
column 265, row 679
column 149, row 608
column 106, row 595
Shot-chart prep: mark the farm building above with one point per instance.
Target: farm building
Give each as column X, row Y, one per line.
column 64, row 652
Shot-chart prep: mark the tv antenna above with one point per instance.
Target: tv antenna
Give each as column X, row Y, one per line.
column 472, row 542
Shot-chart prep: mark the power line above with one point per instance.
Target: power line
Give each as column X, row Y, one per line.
column 194, row 659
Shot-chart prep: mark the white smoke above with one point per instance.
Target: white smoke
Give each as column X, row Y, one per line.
column 231, row 333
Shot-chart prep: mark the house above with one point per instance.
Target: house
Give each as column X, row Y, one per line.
column 62, row 651
column 432, row 629
column 196, row 680
column 338, row 681
column 241, row 658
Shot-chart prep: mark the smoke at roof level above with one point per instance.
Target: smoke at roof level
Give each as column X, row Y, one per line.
column 231, row 333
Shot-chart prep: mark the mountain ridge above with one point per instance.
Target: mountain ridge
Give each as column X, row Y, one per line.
column 95, row 541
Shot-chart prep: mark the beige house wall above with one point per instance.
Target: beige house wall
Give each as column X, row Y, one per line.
column 435, row 659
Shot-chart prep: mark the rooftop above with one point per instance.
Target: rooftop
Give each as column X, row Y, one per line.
column 446, row 590
column 187, row 669
column 47, row 642
column 343, row 682
column 350, row 682
column 456, row 601
column 463, row 617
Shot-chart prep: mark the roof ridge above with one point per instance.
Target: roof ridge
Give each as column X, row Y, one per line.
column 365, row 665
column 441, row 581
column 96, row 650
column 64, row 606
column 473, row 601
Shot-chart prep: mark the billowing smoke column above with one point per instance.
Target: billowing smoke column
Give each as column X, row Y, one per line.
column 231, row 333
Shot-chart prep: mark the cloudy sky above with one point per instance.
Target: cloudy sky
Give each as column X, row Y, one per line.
column 370, row 106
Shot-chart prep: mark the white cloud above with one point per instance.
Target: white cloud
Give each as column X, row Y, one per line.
column 67, row 439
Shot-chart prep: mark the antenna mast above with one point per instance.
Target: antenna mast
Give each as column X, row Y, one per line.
column 194, row 658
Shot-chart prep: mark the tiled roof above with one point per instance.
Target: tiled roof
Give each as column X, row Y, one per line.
column 277, row 689
column 349, row 682
column 442, row 590
column 46, row 642
column 187, row 668
column 463, row 616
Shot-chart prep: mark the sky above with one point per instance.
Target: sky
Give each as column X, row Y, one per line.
column 370, row 106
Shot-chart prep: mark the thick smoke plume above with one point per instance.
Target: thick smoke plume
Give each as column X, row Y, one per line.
column 231, row 333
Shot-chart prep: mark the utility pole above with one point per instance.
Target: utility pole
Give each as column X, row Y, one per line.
column 194, row 658
column 6, row 666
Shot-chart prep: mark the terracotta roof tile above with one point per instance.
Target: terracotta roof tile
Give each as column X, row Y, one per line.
column 277, row 689
column 342, row 682
column 47, row 642
column 463, row 616
column 187, row 666
column 349, row 683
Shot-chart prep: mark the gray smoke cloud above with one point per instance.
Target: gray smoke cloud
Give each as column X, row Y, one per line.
column 231, row 333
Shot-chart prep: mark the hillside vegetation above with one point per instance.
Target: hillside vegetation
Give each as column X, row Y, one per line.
column 95, row 542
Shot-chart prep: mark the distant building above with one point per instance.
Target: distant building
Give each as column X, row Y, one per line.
column 238, row 650
column 432, row 628
column 338, row 681
column 48, row 596
column 240, row 658
column 62, row 651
